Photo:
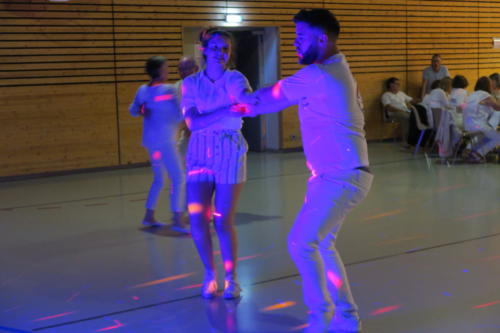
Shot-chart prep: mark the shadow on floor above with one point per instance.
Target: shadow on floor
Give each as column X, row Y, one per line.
column 241, row 218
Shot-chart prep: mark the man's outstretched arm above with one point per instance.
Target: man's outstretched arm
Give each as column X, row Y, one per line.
column 270, row 99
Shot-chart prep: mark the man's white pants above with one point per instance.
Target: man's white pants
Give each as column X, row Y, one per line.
column 311, row 243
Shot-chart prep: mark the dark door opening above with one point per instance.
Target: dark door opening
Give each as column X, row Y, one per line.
column 247, row 61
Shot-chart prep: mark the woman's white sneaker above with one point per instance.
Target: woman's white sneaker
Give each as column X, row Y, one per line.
column 232, row 289
column 209, row 289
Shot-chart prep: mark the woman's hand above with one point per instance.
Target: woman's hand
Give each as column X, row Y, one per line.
column 243, row 110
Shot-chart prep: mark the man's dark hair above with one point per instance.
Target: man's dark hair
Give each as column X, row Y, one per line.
column 459, row 81
column 484, row 84
column 153, row 66
column 319, row 18
column 390, row 81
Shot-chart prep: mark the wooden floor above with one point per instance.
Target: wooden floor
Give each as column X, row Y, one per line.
column 422, row 252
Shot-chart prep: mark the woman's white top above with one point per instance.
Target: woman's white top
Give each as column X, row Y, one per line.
column 199, row 91
column 457, row 99
column 458, row 96
column 476, row 115
column 437, row 99
column 162, row 113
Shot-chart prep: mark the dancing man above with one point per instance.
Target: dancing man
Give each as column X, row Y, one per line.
column 336, row 152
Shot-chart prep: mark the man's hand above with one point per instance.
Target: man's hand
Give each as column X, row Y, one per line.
column 250, row 98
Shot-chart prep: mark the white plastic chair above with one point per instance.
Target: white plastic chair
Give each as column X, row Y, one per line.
column 421, row 126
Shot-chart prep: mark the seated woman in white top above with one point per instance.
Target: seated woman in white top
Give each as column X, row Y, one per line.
column 434, row 85
column 495, row 82
column 457, row 99
column 397, row 105
column 438, row 100
column 478, row 110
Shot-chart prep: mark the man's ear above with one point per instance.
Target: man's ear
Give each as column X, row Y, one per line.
column 323, row 38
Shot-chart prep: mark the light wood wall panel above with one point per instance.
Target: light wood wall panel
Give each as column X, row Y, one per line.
column 57, row 86
column 46, row 128
column 489, row 26
column 79, row 63
column 449, row 28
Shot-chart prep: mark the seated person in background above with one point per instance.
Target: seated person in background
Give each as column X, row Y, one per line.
column 458, row 92
column 397, row 106
column 480, row 106
column 457, row 99
column 434, row 85
column 438, row 100
column 434, row 72
column 495, row 82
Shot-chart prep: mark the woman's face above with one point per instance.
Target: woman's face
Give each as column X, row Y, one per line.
column 491, row 85
column 218, row 51
column 494, row 85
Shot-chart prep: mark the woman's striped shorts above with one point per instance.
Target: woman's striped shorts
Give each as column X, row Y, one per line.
column 218, row 156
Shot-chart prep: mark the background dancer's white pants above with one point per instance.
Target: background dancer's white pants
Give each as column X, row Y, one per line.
column 167, row 158
column 311, row 243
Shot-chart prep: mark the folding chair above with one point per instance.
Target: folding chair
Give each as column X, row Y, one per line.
column 466, row 139
column 421, row 126
column 388, row 120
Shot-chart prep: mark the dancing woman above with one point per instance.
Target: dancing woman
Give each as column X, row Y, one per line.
column 216, row 156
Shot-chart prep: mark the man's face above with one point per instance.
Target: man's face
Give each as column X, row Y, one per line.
column 306, row 43
column 436, row 63
column 395, row 86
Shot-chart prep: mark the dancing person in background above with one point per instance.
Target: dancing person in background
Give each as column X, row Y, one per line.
column 187, row 66
column 157, row 103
